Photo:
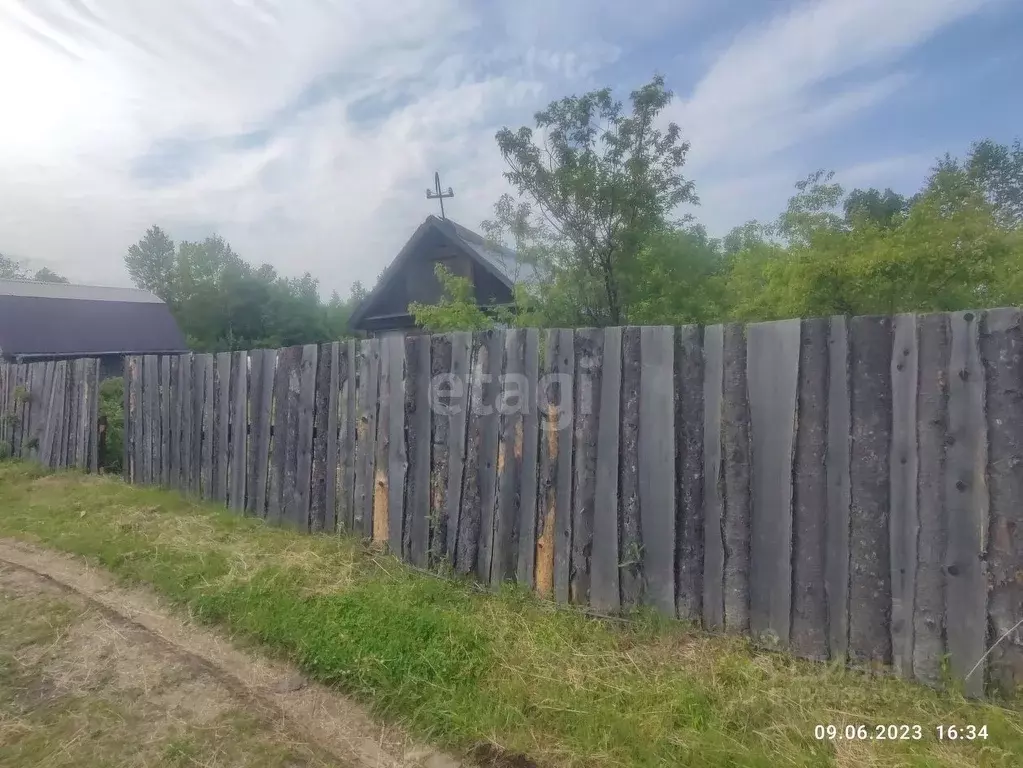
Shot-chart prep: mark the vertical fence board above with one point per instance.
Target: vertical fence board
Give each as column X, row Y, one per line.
column 966, row 506
column 528, row 497
column 630, row 547
column 221, row 425
column 84, row 416
column 154, row 435
column 657, row 465
column 94, row 416
column 903, row 466
column 133, row 418
column 459, row 404
column 444, row 390
column 5, row 380
column 185, row 422
column 489, row 425
column 870, row 342
column 809, row 636
column 932, row 419
column 604, row 585
column 367, row 401
column 75, row 421
column 1002, row 348
column 380, row 526
column 836, row 561
column 565, row 370
column 321, row 431
column 589, row 358
column 330, row 480
column 735, row 439
column 238, row 439
column 689, row 507
column 772, row 369
column 46, row 442
column 298, row 472
column 261, row 413
column 38, row 375
column 56, row 404
column 198, row 399
column 209, row 443
column 713, row 487
column 173, row 455
column 165, row 420
column 31, row 404
column 346, row 494
column 469, row 518
column 418, row 511
column 287, row 362
column 512, row 400
column 397, row 458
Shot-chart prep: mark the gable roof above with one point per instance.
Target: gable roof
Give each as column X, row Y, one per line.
column 499, row 261
column 39, row 319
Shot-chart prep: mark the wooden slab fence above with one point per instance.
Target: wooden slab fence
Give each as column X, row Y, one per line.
column 49, row 413
column 844, row 488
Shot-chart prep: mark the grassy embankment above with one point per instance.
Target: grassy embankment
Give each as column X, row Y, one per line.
column 464, row 668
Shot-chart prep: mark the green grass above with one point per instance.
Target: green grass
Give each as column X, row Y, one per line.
column 499, row 673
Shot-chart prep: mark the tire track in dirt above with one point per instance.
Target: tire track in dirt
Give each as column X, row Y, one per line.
column 324, row 717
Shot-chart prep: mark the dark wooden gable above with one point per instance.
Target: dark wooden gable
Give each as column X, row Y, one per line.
column 411, row 277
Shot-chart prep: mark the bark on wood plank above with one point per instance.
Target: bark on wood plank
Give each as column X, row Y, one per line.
column 381, row 449
column 565, row 367
column 221, row 425
column 489, row 425
column 337, row 377
column 239, row 430
column 165, row 420
column 630, row 564
column 836, row 561
column 809, row 637
column 261, row 395
column 1002, row 352
column 321, row 414
column 870, row 342
column 397, row 458
column 365, row 427
column 530, row 464
column 966, row 506
column 903, row 525
column 512, row 401
column 346, row 490
column 589, row 360
column 300, row 454
column 689, row 511
column 605, row 592
column 459, row 407
column 469, row 518
column 657, row 465
column 418, row 512
column 713, row 480
column 735, row 438
column 772, row 369
column 373, row 396
column 933, row 339
column 444, row 391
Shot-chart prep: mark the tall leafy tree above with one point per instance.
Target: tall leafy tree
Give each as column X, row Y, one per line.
column 151, row 264
column 595, row 183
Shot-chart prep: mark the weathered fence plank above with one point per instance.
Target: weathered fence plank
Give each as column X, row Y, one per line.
column 346, row 493
column 185, row 422
column 380, row 528
column 173, row 457
column 208, row 433
column 932, row 419
column 657, row 465
column 397, row 459
column 589, row 358
column 238, row 439
column 809, row 636
column 469, row 519
column 735, row 439
column 288, row 360
column 418, row 511
column 525, row 566
column 133, row 416
column 870, row 347
column 459, row 405
column 903, row 524
column 151, row 426
column 300, row 462
column 772, row 370
column 966, row 499
column 630, row 546
column 56, row 405
column 605, row 592
column 689, row 511
column 511, row 401
column 836, row 560
column 260, row 407
column 221, row 425
column 330, row 478
column 368, row 400
column 1002, row 352
column 321, row 431
column 93, row 465
column 443, row 394
column 489, row 426
column 713, row 487
column 85, row 416
column 563, row 359
column 165, row 420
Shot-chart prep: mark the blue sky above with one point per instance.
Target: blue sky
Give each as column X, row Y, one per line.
column 307, row 132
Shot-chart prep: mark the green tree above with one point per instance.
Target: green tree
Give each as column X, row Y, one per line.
column 12, row 269
column 596, row 183
column 151, row 264
column 456, row 310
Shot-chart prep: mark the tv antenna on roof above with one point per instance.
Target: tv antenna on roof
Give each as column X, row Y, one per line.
column 437, row 194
